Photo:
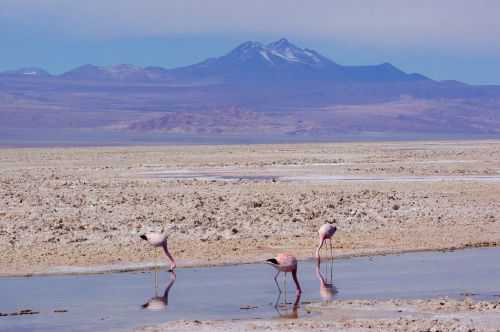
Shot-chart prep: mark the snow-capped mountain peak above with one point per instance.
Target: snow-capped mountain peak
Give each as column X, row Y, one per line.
column 249, row 45
column 292, row 53
column 276, row 53
column 281, row 44
column 245, row 52
column 245, row 48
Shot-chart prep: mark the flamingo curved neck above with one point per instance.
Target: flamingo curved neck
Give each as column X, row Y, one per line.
column 294, row 276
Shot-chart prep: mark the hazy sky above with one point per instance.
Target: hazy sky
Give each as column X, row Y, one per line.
column 443, row 39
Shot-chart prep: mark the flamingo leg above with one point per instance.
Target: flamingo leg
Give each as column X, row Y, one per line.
column 156, row 281
column 284, row 285
column 276, row 281
column 331, row 271
column 276, row 304
column 331, row 248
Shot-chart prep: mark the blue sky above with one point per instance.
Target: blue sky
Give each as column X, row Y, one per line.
column 445, row 39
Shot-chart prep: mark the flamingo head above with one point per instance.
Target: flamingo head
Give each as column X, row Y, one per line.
column 272, row 261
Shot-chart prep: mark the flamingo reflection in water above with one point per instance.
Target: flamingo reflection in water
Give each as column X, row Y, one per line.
column 327, row 289
column 283, row 309
column 157, row 303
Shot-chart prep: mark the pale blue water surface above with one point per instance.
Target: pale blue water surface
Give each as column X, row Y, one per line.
column 114, row 301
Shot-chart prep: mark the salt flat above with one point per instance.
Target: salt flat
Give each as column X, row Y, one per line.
column 83, row 207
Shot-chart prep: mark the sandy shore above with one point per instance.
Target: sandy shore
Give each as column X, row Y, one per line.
column 85, row 207
column 443, row 315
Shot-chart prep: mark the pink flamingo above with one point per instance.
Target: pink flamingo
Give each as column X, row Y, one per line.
column 160, row 240
column 285, row 263
column 325, row 233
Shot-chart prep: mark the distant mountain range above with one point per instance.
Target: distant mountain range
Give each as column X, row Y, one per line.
column 255, row 90
column 249, row 61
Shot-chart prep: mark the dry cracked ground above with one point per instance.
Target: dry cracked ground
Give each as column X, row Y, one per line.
column 63, row 207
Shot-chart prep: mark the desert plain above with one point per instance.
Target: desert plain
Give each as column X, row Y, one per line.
column 65, row 210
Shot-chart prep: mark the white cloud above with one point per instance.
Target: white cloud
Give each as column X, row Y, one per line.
column 437, row 24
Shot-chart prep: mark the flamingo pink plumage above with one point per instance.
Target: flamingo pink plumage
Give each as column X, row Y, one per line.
column 325, row 233
column 160, row 240
column 285, row 263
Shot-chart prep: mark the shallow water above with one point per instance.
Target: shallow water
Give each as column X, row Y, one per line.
column 424, row 178
column 218, row 175
column 114, row 301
